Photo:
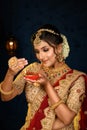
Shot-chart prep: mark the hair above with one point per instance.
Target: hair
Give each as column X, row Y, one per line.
column 50, row 34
column 47, row 36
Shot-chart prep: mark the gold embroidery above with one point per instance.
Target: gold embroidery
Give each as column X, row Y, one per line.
column 36, row 95
column 76, row 121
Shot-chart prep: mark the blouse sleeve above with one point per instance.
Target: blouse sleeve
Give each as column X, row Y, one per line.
column 76, row 94
column 19, row 82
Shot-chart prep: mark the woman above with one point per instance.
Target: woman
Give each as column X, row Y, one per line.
column 56, row 92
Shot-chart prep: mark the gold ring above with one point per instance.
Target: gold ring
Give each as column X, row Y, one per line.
column 12, row 62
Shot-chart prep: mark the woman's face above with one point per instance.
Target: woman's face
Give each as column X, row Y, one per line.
column 45, row 54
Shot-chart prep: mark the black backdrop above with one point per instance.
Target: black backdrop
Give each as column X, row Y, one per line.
column 21, row 18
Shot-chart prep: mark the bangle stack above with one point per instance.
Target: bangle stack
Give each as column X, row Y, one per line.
column 6, row 93
column 54, row 106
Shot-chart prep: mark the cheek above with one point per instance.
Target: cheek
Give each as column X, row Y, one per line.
column 51, row 55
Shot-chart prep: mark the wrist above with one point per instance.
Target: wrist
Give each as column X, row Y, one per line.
column 10, row 72
column 47, row 85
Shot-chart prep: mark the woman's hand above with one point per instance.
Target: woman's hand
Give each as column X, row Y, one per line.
column 37, row 78
column 15, row 64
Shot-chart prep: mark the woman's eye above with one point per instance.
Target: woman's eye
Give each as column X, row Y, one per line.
column 46, row 49
column 43, row 49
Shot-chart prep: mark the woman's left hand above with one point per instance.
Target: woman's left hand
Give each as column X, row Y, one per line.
column 39, row 78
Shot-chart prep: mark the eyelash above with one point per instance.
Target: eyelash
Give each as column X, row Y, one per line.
column 44, row 50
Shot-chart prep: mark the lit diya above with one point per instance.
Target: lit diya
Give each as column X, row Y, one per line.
column 33, row 76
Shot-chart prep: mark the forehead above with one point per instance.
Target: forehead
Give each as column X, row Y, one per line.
column 41, row 44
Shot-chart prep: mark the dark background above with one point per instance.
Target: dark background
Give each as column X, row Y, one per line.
column 21, row 18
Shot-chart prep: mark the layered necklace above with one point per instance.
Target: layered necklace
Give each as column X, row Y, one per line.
column 53, row 73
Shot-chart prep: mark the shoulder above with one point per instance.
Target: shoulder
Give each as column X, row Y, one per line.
column 79, row 73
column 78, row 76
column 75, row 75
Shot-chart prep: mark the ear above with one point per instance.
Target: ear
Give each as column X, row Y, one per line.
column 59, row 48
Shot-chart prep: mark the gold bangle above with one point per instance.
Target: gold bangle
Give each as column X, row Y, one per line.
column 54, row 106
column 6, row 93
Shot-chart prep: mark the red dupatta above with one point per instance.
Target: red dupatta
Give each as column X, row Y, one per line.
column 35, row 123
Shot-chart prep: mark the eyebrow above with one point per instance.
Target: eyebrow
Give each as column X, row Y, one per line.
column 42, row 47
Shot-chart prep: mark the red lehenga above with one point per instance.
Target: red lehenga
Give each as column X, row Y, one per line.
column 69, row 84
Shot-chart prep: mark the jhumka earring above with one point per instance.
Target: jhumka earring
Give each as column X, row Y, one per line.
column 60, row 57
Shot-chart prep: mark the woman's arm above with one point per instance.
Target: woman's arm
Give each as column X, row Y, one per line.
column 7, row 89
column 64, row 114
column 58, row 124
column 67, row 112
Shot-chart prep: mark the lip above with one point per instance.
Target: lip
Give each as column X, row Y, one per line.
column 44, row 62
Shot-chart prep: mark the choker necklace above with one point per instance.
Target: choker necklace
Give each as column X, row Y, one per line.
column 56, row 72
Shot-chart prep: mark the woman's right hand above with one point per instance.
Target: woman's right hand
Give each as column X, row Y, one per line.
column 15, row 64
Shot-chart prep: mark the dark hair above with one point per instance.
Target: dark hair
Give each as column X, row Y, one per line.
column 51, row 38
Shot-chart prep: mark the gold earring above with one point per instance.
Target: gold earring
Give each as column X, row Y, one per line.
column 60, row 57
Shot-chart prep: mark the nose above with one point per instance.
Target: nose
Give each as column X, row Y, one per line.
column 41, row 56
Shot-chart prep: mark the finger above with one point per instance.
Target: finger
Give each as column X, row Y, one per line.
column 22, row 61
column 27, row 79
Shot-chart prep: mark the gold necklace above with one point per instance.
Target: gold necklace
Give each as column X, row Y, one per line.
column 59, row 71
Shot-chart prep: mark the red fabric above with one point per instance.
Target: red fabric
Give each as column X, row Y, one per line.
column 64, row 76
column 35, row 123
column 83, row 121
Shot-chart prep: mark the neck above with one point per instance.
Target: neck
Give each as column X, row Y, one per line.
column 57, row 65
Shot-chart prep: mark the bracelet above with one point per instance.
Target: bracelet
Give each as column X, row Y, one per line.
column 54, row 106
column 6, row 93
